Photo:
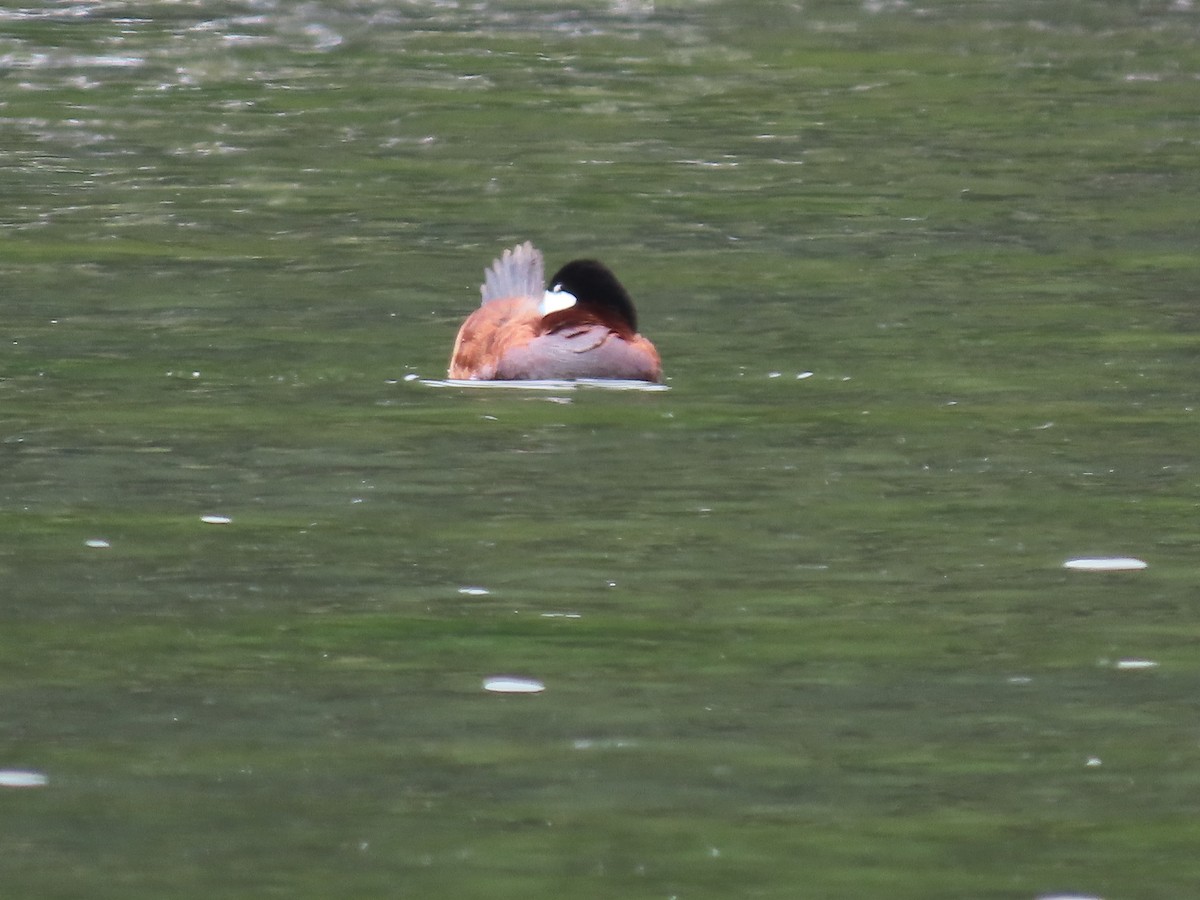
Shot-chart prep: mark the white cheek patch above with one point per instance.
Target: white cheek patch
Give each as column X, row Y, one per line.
column 556, row 300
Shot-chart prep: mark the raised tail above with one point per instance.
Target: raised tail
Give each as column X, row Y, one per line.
column 517, row 273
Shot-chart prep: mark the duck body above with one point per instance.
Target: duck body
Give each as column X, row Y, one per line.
column 584, row 326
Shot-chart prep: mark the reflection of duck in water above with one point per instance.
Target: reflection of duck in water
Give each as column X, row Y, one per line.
column 584, row 326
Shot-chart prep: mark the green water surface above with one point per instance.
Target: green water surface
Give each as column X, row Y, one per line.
column 924, row 281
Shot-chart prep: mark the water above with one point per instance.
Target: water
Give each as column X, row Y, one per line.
column 923, row 279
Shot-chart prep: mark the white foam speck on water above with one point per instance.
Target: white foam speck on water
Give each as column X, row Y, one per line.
column 603, row 743
column 19, row 778
column 1128, row 664
column 474, row 591
column 98, row 543
column 508, row 684
column 800, row 376
column 561, row 615
column 216, row 520
column 1105, row 564
column 322, row 36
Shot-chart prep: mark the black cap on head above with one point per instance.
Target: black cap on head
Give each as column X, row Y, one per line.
column 595, row 287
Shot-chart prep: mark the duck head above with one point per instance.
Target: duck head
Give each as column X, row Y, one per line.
column 586, row 288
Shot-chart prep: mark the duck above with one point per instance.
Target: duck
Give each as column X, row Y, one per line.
column 583, row 326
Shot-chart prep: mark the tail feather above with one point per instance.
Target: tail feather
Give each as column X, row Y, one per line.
column 517, row 273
